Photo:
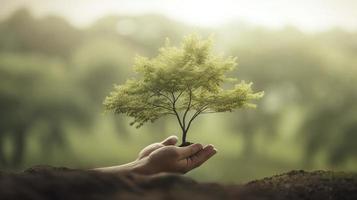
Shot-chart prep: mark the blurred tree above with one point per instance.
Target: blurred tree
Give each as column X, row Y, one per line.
column 98, row 64
column 30, row 94
column 331, row 124
column 53, row 36
column 244, row 123
column 314, row 73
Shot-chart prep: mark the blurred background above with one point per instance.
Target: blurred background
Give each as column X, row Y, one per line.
column 59, row 59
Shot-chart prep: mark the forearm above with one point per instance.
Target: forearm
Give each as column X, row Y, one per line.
column 137, row 166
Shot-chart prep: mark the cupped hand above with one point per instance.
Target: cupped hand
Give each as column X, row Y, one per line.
column 166, row 157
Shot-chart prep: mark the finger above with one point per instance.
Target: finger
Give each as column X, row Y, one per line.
column 200, row 157
column 172, row 140
column 149, row 149
column 185, row 152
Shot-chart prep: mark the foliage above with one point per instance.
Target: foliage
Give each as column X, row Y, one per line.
column 188, row 79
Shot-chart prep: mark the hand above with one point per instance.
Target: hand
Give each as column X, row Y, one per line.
column 165, row 157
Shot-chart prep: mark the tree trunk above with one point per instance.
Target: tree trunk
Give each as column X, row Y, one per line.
column 3, row 161
column 248, row 147
column 19, row 146
column 184, row 142
column 184, row 134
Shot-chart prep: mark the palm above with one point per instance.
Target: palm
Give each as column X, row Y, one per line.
column 170, row 158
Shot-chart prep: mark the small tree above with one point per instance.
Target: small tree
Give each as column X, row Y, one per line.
column 183, row 82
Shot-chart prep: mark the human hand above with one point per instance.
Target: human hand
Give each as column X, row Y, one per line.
column 165, row 157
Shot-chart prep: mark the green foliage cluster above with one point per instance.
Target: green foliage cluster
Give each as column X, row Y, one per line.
column 188, row 79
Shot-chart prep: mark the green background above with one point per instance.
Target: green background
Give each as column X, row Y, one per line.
column 54, row 77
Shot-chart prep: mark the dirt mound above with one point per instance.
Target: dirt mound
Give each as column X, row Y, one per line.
column 62, row 183
column 304, row 185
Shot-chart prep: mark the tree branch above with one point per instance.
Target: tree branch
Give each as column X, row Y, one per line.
column 173, row 96
column 188, row 107
column 179, row 95
column 161, row 106
column 175, row 111
column 167, row 97
column 158, row 93
column 207, row 112
column 169, row 113
column 198, row 112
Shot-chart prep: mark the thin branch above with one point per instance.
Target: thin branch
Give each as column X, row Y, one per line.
column 158, row 93
column 179, row 95
column 177, row 115
column 191, row 120
column 161, row 106
column 169, row 113
column 188, row 107
column 198, row 112
column 207, row 112
column 173, row 96
column 167, row 97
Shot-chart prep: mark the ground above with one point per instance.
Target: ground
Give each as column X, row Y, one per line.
column 61, row 183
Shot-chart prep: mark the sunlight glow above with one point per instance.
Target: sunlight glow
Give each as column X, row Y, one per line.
column 308, row 15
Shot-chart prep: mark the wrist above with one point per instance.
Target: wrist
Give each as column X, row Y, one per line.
column 141, row 167
column 135, row 166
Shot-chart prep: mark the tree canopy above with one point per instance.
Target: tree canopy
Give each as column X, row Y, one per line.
column 183, row 81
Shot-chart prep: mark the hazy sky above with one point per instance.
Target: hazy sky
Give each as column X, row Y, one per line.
column 308, row 15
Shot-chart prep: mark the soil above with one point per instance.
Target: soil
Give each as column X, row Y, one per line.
column 46, row 182
column 185, row 144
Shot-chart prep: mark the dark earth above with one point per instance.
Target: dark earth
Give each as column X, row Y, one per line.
column 44, row 182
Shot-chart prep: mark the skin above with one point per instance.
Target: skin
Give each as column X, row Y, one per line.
column 165, row 157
